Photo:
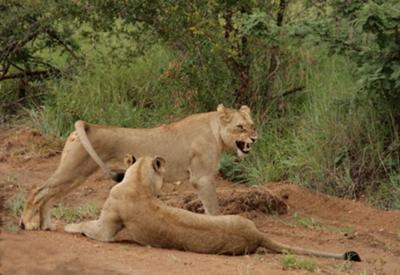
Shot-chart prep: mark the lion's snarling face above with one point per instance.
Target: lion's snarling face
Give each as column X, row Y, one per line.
column 237, row 131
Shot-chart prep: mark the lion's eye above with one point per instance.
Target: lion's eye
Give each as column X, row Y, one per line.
column 240, row 126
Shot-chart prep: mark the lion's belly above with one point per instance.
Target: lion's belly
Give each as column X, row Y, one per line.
column 174, row 145
column 162, row 229
column 177, row 160
column 205, row 242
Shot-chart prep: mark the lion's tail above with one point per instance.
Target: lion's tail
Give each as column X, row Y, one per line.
column 81, row 127
column 283, row 248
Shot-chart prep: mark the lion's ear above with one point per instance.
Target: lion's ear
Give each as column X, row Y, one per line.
column 225, row 114
column 129, row 160
column 158, row 164
column 245, row 109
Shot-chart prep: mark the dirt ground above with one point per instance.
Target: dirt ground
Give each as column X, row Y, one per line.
column 286, row 212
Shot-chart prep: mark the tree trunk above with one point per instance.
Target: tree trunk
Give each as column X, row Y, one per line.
column 239, row 66
column 275, row 52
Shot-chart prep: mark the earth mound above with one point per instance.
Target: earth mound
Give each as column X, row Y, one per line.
column 249, row 201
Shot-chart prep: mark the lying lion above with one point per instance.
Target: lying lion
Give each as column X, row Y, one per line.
column 133, row 205
column 192, row 148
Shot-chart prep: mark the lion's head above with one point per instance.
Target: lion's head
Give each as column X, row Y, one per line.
column 146, row 172
column 237, row 129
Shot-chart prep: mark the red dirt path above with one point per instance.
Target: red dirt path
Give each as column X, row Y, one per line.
column 26, row 159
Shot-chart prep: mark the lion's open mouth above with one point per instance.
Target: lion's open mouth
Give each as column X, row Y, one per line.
column 243, row 147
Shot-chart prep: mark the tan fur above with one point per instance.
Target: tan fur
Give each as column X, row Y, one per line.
column 133, row 205
column 192, row 148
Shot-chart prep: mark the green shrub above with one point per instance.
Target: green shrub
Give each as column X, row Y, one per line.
column 109, row 94
column 329, row 139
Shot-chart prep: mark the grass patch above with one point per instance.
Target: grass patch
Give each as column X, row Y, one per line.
column 386, row 194
column 311, row 223
column 347, row 230
column 10, row 228
column 306, row 222
column 70, row 215
column 345, row 266
column 15, row 205
column 292, row 262
column 232, row 169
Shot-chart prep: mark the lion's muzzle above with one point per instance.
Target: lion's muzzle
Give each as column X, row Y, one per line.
column 244, row 147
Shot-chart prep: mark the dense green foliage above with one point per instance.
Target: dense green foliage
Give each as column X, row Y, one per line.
column 322, row 78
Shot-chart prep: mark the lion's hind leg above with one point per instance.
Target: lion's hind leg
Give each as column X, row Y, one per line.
column 75, row 166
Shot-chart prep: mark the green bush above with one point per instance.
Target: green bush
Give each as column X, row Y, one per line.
column 330, row 139
column 105, row 93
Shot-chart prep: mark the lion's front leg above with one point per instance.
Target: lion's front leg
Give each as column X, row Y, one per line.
column 104, row 229
column 91, row 229
column 203, row 168
column 207, row 193
column 45, row 217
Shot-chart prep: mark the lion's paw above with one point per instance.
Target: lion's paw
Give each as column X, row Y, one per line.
column 72, row 228
column 49, row 226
